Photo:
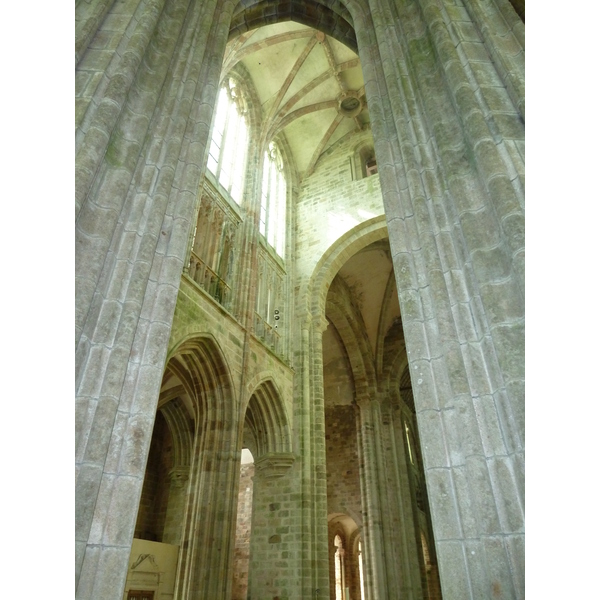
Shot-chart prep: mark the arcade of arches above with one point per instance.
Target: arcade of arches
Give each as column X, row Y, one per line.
column 300, row 312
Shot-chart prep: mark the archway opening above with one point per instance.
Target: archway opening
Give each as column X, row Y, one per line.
column 344, row 558
column 373, row 453
column 190, row 478
column 155, row 491
column 159, row 524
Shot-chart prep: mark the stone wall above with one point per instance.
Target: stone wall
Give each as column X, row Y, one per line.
column 276, row 540
column 331, row 202
column 343, row 484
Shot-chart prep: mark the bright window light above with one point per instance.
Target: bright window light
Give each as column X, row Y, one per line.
column 273, row 200
column 229, row 142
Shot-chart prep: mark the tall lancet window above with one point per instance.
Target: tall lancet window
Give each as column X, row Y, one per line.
column 273, row 200
column 339, row 569
column 229, row 143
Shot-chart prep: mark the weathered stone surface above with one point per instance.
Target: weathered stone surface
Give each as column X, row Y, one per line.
column 414, row 395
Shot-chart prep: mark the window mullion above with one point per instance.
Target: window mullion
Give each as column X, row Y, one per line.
column 223, row 144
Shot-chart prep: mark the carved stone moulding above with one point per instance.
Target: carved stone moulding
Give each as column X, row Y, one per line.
column 274, row 464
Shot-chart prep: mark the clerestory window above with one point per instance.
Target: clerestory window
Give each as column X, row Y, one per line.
column 229, row 143
column 273, row 200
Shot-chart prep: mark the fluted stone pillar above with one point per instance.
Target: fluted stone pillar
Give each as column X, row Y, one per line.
column 140, row 157
column 374, row 567
column 400, row 519
column 320, row 457
column 208, row 529
column 451, row 184
column 390, row 551
column 314, row 487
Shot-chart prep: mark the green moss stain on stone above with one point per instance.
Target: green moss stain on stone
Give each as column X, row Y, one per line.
column 112, row 153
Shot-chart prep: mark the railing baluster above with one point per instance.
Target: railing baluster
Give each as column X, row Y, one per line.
column 208, row 279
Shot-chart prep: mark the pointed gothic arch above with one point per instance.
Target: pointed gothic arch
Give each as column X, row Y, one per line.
column 331, row 17
column 333, row 259
column 348, row 323
column 203, row 371
column 267, row 420
column 267, row 433
column 199, row 365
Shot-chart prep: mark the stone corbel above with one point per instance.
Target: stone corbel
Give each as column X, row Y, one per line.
column 274, row 464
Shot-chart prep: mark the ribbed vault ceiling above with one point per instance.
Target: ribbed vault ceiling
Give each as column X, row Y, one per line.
column 310, row 87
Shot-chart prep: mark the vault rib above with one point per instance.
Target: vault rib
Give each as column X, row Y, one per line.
column 323, row 142
column 242, row 52
column 232, row 51
column 301, row 112
column 291, row 75
column 334, row 69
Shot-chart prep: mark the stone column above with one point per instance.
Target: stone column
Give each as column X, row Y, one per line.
column 88, row 18
column 140, row 172
column 179, row 483
column 314, row 469
column 273, row 570
column 400, row 521
column 319, row 491
column 374, row 565
column 455, row 219
column 208, row 530
column 391, row 549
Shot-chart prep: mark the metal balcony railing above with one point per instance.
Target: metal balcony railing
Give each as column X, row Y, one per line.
column 267, row 333
column 208, row 280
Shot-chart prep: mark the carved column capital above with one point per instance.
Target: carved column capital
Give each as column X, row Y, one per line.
column 320, row 324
